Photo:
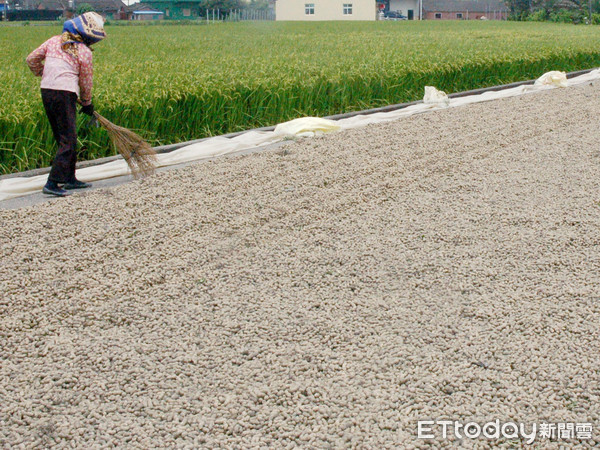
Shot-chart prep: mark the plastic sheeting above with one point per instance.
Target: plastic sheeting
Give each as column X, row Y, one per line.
column 307, row 126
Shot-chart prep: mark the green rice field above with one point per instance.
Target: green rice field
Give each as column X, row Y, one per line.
column 173, row 84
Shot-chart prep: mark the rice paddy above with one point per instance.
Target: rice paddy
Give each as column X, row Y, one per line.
column 172, row 84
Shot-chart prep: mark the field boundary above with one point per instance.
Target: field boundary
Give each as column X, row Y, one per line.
column 172, row 147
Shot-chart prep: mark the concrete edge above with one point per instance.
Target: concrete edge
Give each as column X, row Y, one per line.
column 172, row 147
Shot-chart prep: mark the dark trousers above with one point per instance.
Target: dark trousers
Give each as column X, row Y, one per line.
column 61, row 109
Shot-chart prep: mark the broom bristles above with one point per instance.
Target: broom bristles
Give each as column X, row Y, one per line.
column 138, row 154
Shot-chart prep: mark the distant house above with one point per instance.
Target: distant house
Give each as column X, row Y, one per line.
column 464, row 10
column 409, row 8
column 138, row 8
column 412, row 9
column 316, row 10
column 147, row 15
column 48, row 5
column 143, row 11
column 175, row 9
column 447, row 9
column 110, row 9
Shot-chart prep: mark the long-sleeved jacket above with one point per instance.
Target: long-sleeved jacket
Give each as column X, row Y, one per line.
column 61, row 71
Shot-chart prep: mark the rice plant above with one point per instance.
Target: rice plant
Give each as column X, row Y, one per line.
column 171, row 84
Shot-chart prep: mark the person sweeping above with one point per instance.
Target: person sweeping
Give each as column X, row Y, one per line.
column 65, row 64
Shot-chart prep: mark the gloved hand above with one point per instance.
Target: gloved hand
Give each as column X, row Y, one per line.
column 87, row 109
column 92, row 123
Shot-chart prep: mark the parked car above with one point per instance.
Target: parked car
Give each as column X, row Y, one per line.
column 394, row 15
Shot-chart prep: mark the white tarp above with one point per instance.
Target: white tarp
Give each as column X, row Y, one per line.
column 307, row 126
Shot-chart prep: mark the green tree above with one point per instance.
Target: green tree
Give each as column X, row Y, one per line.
column 519, row 9
column 83, row 8
column 566, row 11
column 261, row 5
column 223, row 5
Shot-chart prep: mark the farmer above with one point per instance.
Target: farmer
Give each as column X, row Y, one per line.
column 65, row 64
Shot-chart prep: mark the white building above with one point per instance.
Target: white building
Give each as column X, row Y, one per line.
column 315, row 10
column 409, row 8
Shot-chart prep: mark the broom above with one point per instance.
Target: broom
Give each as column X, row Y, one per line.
column 138, row 154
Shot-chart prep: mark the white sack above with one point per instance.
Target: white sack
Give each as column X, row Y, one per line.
column 554, row 78
column 305, row 126
column 435, row 97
